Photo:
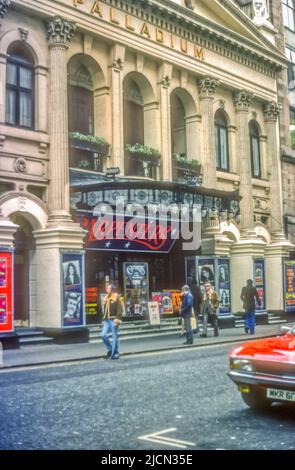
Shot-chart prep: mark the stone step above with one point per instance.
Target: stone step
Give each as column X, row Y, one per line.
column 35, row 340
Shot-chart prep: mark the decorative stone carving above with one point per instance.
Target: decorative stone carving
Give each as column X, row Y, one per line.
column 189, row 4
column 60, row 31
column 4, row 4
column 20, row 165
column 165, row 81
column 260, row 12
column 272, row 110
column 243, row 100
column 22, row 203
column 117, row 64
column 24, row 33
column 207, row 87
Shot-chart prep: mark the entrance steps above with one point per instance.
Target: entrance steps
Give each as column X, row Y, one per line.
column 138, row 329
column 32, row 337
column 271, row 319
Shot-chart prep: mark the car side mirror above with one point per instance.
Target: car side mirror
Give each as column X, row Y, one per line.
column 285, row 329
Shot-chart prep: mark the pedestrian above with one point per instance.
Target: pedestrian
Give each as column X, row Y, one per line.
column 248, row 296
column 197, row 300
column 210, row 303
column 186, row 311
column 112, row 314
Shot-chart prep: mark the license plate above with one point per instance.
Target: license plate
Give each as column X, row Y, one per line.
column 280, row 394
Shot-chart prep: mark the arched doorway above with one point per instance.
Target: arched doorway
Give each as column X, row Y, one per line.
column 24, row 246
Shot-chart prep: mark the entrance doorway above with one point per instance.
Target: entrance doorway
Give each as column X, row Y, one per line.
column 24, row 243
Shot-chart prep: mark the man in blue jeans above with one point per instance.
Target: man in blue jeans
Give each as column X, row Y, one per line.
column 248, row 296
column 186, row 311
column 112, row 313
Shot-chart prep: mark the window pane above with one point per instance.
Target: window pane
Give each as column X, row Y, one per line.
column 25, row 110
column 223, row 149
column 25, row 78
column 11, row 107
column 217, row 147
column 11, row 78
column 255, row 157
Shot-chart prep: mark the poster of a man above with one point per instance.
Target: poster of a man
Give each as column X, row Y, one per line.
column 72, row 311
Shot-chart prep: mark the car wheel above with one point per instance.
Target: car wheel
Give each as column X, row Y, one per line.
column 256, row 400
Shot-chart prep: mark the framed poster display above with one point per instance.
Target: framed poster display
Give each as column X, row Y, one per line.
column 73, row 292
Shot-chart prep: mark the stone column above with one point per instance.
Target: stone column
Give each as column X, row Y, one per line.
column 243, row 100
column 271, row 113
column 116, row 80
column 4, row 4
column 207, row 87
column 166, row 150
column 60, row 31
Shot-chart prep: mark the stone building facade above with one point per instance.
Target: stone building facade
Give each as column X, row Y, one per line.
column 282, row 17
column 193, row 80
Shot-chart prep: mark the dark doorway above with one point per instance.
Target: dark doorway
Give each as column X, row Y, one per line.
column 24, row 242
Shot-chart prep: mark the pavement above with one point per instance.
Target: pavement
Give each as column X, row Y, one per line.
column 37, row 355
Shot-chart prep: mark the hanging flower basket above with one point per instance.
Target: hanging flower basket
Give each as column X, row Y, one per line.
column 182, row 164
column 143, row 153
column 89, row 143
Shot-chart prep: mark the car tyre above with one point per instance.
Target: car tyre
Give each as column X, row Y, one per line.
column 256, row 401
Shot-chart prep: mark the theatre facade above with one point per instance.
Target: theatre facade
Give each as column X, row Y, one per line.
column 152, row 102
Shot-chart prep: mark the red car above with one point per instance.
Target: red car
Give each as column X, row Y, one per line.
column 264, row 370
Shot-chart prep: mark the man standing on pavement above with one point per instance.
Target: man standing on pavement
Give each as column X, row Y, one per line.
column 112, row 313
column 209, row 309
column 186, row 311
column 197, row 300
column 248, row 296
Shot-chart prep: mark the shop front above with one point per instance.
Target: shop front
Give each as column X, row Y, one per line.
column 153, row 265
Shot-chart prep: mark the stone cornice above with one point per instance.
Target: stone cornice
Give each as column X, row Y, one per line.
column 187, row 23
column 190, row 19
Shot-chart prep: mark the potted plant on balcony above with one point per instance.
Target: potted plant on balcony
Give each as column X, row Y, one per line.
column 90, row 143
column 144, row 153
column 181, row 163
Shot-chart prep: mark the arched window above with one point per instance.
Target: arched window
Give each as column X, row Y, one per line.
column 221, row 141
column 81, row 113
column 255, row 149
column 19, row 87
column 178, row 126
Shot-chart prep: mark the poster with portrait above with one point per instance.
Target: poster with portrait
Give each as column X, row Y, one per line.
column 73, row 289
column 206, row 271
column 259, row 282
column 167, row 303
column 3, row 309
column 157, row 297
column 136, row 289
column 223, row 279
column 191, row 272
column 3, row 272
column 290, row 286
column 6, row 291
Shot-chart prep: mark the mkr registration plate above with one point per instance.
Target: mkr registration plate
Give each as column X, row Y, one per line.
column 280, row 394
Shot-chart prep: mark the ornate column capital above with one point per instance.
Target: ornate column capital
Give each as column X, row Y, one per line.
column 60, row 31
column 4, row 4
column 271, row 111
column 243, row 100
column 207, row 86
